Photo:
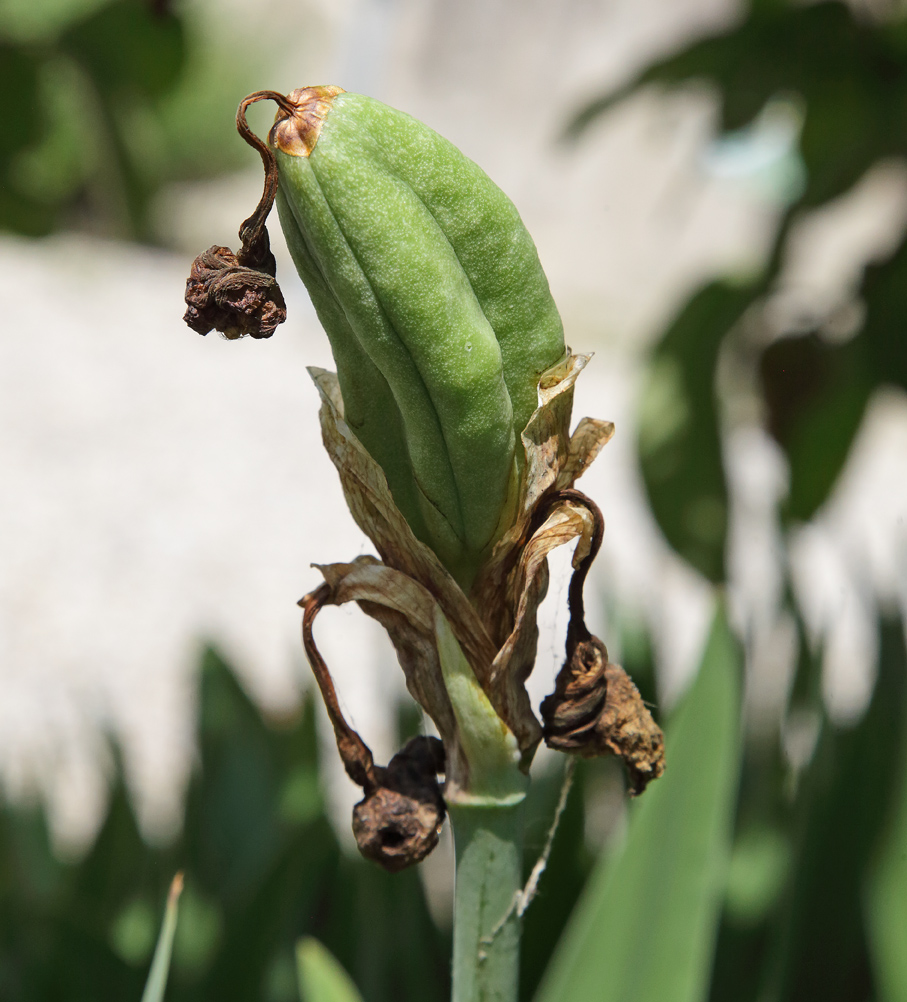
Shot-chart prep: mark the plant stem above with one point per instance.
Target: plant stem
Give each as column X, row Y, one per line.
column 486, row 952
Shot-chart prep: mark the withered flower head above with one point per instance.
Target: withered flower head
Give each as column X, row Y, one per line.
column 596, row 709
column 223, row 295
column 237, row 294
column 399, row 820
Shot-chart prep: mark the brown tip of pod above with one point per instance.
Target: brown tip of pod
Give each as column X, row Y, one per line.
column 596, row 709
column 399, row 820
column 298, row 124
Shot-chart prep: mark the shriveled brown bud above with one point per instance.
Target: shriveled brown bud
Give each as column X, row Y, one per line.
column 596, row 709
column 237, row 294
column 399, row 820
column 223, row 294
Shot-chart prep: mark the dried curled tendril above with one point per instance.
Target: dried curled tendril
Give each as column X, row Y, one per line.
column 398, row 821
column 237, row 294
column 595, row 708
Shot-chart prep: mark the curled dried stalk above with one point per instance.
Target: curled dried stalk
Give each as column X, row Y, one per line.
column 354, row 752
column 398, row 821
column 237, row 294
column 595, row 708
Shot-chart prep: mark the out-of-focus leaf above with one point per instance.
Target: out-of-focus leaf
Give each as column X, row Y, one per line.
column 816, row 394
column 19, row 86
column 160, row 964
column 767, row 786
column 257, row 848
column 321, row 978
column 885, row 329
column 848, row 70
column 887, row 898
column 760, row 863
column 568, row 867
column 679, row 444
column 128, row 49
column 820, row 950
column 24, row 21
column 645, row 926
column 758, row 868
column 378, row 926
column 23, row 113
column 108, row 101
column 133, row 57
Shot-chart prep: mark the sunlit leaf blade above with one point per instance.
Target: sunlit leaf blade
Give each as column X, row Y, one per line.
column 644, row 928
column 160, row 965
column 321, row 978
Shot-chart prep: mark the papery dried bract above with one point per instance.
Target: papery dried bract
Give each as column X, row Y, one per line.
column 406, row 610
column 554, row 461
column 527, row 585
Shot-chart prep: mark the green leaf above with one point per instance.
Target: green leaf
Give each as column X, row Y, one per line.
column 160, row 965
column 887, row 903
column 885, row 331
column 821, row 951
column 128, row 49
column 644, row 928
column 679, row 443
column 321, row 978
column 815, row 394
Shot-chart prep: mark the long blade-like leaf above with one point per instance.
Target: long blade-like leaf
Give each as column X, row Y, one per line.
column 160, row 965
column 321, row 978
column 645, row 927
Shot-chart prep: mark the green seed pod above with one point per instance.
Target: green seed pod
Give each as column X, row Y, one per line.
column 438, row 311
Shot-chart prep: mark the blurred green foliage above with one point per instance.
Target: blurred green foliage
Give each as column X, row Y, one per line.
column 848, row 74
column 646, row 922
column 808, row 914
column 262, row 867
column 106, row 102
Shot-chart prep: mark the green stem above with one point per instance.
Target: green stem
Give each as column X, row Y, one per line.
column 486, row 952
column 484, row 803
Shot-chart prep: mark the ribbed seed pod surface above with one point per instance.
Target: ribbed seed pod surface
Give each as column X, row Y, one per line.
column 439, row 314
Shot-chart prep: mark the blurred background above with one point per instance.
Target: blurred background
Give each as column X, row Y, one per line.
column 718, row 192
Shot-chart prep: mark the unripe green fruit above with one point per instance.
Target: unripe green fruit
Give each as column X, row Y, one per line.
column 438, row 311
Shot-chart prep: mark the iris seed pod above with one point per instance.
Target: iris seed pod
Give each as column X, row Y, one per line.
column 439, row 314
